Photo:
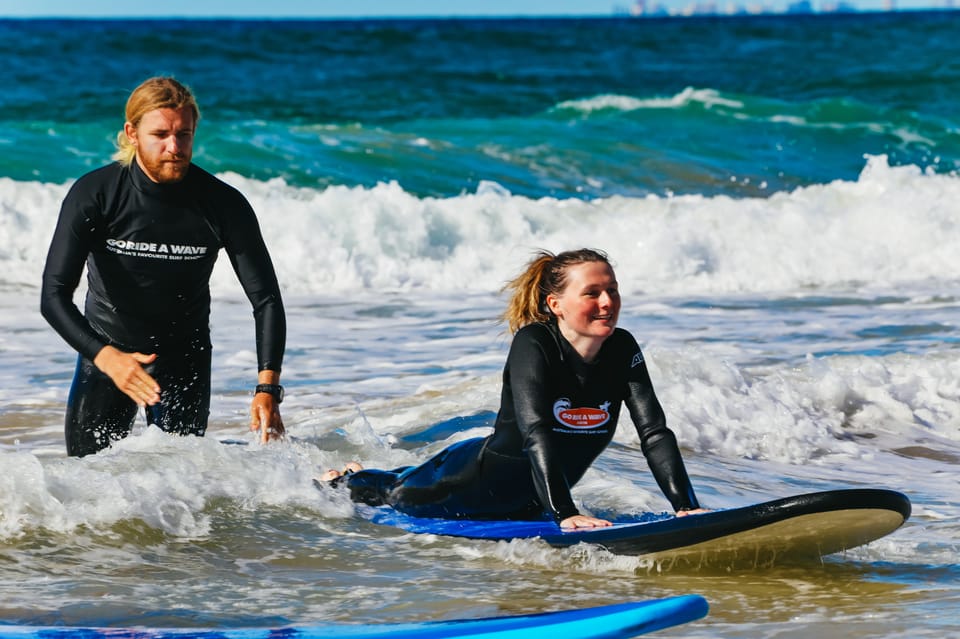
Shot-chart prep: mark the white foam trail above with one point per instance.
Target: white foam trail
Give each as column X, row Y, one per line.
column 893, row 226
column 162, row 480
column 690, row 95
column 827, row 408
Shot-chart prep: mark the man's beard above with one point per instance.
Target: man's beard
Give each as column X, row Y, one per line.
column 167, row 171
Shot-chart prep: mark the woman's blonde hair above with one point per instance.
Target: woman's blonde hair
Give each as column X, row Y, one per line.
column 154, row 93
column 545, row 274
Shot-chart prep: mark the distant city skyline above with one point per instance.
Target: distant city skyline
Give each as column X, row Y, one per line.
column 653, row 8
column 410, row 8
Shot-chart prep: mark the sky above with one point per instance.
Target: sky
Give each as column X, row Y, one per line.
column 353, row 8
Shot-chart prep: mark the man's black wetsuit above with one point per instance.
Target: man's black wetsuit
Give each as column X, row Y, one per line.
column 149, row 250
column 557, row 414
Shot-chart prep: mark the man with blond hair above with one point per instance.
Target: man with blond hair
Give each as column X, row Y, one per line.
column 149, row 227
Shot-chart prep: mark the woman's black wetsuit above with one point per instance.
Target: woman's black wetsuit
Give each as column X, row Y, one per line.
column 149, row 250
column 557, row 414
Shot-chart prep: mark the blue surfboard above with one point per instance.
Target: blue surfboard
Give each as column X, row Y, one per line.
column 793, row 529
column 604, row 622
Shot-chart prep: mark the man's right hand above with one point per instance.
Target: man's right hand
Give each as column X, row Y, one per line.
column 129, row 376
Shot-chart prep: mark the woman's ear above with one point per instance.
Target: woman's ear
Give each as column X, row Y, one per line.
column 553, row 304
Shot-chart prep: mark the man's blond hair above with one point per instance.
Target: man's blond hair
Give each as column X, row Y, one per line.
column 152, row 94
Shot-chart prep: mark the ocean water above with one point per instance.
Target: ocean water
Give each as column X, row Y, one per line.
column 778, row 194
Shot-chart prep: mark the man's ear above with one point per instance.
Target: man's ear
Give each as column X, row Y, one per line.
column 131, row 132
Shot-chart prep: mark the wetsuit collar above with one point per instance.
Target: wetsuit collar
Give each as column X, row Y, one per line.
column 567, row 351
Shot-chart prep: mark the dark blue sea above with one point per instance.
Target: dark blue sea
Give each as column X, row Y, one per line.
column 779, row 195
column 557, row 108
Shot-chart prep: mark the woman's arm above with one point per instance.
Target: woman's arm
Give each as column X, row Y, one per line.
column 658, row 443
column 528, row 368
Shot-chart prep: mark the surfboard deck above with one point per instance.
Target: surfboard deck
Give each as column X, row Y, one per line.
column 792, row 529
column 614, row 621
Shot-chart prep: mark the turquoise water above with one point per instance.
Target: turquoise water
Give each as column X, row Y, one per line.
column 779, row 195
column 565, row 108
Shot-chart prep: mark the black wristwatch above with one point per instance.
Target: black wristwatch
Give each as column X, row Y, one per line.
column 274, row 389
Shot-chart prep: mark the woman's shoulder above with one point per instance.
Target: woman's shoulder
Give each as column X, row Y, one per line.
column 622, row 345
column 538, row 336
column 535, row 332
column 533, row 346
column 622, row 335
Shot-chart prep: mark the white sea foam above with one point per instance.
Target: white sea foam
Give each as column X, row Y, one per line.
column 164, row 481
column 893, row 226
column 706, row 97
column 836, row 407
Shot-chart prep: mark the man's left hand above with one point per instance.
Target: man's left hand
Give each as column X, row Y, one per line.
column 265, row 417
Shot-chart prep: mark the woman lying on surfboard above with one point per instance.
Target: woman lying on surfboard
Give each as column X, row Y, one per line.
column 567, row 375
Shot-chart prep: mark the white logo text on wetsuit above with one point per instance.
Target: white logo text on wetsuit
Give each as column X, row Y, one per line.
column 156, row 250
column 580, row 418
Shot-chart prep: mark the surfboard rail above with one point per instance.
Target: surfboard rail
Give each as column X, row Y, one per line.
column 613, row 621
column 802, row 527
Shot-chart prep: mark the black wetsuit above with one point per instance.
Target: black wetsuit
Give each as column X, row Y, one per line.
column 149, row 250
column 557, row 414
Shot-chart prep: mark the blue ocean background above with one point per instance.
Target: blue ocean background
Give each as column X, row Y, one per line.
column 560, row 108
column 779, row 195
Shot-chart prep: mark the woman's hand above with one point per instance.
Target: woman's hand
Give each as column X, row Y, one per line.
column 582, row 521
column 693, row 511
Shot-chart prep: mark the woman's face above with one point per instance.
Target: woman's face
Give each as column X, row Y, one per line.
column 588, row 308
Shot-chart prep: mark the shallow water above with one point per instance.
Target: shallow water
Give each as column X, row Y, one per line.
column 162, row 530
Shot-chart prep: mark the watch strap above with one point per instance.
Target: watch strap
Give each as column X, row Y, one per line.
column 273, row 389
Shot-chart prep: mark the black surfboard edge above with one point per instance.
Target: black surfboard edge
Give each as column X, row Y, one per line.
column 678, row 532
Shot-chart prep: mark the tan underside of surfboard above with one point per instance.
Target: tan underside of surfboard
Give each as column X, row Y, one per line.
column 798, row 539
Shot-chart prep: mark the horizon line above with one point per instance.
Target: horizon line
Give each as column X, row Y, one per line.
column 852, row 9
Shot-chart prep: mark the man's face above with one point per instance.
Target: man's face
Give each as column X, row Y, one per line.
column 164, row 142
